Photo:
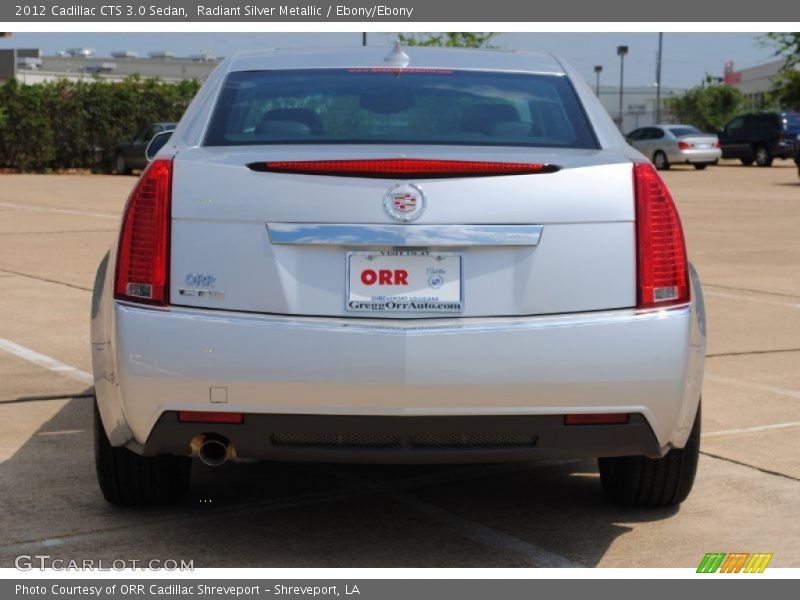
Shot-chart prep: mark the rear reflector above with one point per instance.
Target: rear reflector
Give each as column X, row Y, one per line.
column 198, row 416
column 597, row 419
column 143, row 253
column 402, row 168
column 662, row 267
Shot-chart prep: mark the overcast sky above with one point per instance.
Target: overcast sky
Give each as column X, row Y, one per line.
column 687, row 56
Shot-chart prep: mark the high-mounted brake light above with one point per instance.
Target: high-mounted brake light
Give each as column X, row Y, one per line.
column 662, row 266
column 143, row 254
column 402, row 168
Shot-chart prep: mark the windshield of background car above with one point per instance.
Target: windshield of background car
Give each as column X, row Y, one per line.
column 683, row 131
column 389, row 106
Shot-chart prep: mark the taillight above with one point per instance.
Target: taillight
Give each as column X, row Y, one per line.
column 143, row 253
column 683, row 146
column 662, row 269
column 717, row 145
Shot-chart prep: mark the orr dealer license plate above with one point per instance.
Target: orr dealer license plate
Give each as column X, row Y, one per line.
column 404, row 281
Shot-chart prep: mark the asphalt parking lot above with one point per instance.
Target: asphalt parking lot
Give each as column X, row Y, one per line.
column 741, row 224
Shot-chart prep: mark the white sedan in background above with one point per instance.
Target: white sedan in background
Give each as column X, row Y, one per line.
column 434, row 257
column 668, row 145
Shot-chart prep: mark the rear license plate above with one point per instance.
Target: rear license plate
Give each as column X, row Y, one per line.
column 404, row 281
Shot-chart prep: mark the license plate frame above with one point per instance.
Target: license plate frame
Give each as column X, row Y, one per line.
column 452, row 263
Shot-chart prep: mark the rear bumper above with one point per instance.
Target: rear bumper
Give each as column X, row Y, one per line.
column 408, row 440
column 648, row 363
column 709, row 156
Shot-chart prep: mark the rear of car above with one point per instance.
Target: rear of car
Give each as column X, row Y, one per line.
column 667, row 145
column 448, row 258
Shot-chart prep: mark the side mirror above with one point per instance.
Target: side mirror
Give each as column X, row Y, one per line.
column 157, row 143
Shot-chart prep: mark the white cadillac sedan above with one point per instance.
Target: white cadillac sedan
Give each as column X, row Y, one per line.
column 431, row 256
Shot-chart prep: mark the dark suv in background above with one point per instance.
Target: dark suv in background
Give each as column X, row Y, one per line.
column 760, row 137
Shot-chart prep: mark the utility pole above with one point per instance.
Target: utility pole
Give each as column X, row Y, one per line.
column 658, row 78
column 364, row 38
column 621, row 52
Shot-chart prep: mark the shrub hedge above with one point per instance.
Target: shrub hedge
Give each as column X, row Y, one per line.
column 76, row 124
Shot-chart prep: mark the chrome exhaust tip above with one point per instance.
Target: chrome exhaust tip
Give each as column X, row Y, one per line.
column 214, row 451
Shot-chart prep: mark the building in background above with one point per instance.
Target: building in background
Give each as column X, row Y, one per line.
column 754, row 82
column 30, row 66
column 639, row 104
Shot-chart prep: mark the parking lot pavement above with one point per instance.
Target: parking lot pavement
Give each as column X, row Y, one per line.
column 741, row 226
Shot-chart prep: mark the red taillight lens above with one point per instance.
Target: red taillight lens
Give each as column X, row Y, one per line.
column 663, row 270
column 402, row 168
column 143, row 253
column 202, row 416
column 717, row 145
column 597, row 419
column 683, row 146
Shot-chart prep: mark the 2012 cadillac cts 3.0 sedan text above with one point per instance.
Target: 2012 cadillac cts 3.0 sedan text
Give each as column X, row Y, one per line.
column 426, row 257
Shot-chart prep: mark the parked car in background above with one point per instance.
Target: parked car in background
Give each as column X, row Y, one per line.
column 760, row 137
column 338, row 259
column 667, row 145
column 130, row 155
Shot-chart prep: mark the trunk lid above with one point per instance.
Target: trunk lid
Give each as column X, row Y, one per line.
column 225, row 256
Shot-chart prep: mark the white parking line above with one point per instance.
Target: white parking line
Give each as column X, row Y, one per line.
column 756, row 429
column 54, row 209
column 49, row 363
column 755, row 386
column 750, row 299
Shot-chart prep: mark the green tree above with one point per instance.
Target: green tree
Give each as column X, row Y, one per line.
column 77, row 124
column 786, row 44
column 786, row 90
column 707, row 107
column 786, row 86
column 449, row 40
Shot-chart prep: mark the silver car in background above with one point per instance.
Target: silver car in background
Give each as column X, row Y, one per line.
column 667, row 145
column 437, row 256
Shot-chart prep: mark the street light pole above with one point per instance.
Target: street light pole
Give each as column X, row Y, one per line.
column 621, row 52
column 658, row 78
column 597, row 70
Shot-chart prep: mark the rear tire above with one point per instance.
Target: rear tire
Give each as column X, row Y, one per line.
column 763, row 156
column 660, row 161
column 128, row 479
column 649, row 482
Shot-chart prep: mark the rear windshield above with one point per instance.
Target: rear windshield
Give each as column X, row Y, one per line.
column 682, row 131
column 385, row 106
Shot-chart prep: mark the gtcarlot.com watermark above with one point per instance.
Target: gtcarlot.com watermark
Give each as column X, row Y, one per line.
column 42, row 562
